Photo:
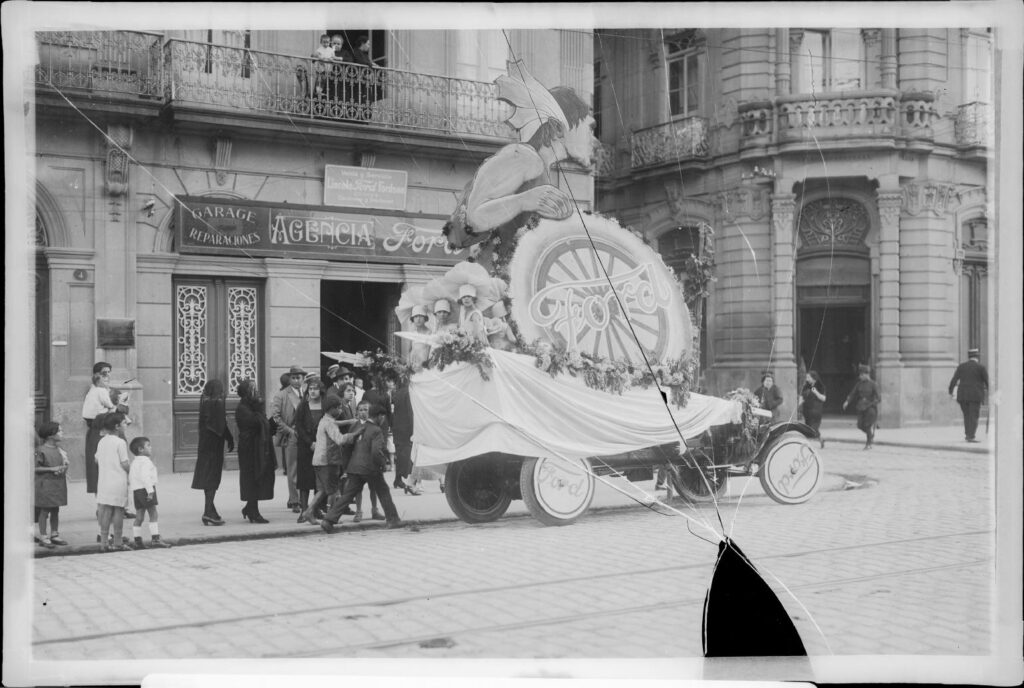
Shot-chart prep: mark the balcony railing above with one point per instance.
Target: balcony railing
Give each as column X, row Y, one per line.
column 840, row 116
column 114, row 63
column 679, row 140
column 133, row 64
column 973, row 125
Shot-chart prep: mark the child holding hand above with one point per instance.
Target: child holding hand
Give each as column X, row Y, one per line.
column 51, row 484
column 142, row 483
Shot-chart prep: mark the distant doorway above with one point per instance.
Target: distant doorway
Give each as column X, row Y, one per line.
column 357, row 316
column 833, row 341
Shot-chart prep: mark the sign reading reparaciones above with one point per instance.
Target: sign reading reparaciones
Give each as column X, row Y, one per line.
column 250, row 228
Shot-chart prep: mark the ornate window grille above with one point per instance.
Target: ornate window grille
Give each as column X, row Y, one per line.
column 242, row 335
column 191, row 351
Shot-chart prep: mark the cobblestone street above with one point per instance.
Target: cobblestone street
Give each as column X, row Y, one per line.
column 902, row 565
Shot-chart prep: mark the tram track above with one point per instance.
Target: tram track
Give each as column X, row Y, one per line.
column 591, row 579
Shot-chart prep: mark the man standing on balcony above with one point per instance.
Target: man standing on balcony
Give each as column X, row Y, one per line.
column 517, row 181
column 971, row 382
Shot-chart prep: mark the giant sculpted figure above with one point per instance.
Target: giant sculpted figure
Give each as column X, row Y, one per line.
column 518, row 180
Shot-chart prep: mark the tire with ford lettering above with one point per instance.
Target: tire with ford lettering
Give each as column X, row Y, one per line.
column 791, row 471
column 556, row 491
column 570, row 281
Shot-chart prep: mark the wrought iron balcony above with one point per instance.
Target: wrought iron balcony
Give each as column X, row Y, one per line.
column 973, row 125
column 302, row 87
column 113, row 63
column 678, row 140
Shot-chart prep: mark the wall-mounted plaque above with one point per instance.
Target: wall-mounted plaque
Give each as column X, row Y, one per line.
column 113, row 333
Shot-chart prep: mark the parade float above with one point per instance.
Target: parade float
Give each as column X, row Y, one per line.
column 569, row 353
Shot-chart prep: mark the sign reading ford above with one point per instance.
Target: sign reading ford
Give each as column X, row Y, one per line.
column 249, row 228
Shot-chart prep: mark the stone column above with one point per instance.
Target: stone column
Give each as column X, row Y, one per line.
column 889, row 373
column 783, row 296
column 782, row 66
column 888, row 58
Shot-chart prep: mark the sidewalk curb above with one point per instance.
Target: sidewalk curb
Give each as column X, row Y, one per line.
column 353, row 528
column 981, row 449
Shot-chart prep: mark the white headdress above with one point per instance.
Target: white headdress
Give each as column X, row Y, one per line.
column 534, row 104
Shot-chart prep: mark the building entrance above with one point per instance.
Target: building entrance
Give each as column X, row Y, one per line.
column 357, row 316
column 833, row 341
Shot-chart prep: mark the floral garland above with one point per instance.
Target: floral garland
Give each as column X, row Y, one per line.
column 457, row 346
column 381, row 365
column 700, row 270
column 749, row 423
column 609, row 375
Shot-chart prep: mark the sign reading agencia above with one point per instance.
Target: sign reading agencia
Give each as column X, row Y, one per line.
column 253, row 228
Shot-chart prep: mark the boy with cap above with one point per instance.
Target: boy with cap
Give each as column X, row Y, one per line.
column 327, row 457
column 971, row 382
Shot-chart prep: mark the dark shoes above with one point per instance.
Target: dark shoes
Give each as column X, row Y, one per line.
column 212, row 521
column 158, row 543
column 972, row 440
column 391, row 525
column 376, row 515
column 327, row 526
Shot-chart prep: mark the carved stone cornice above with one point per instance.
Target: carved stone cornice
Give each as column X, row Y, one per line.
column 744, row 202
column 890, row 204
column 937, row 198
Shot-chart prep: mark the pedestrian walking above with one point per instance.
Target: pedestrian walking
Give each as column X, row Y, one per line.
column 286, row 448
column 256, row 466
column 213, row 435
column 97, row 401
column 112, row 462
column 812, row 402
column 142, row 477
column 307, row 419
column 366, row 467
column 769, row 395
column 865, row 399
column 971, row 382
column 401, row 430
column 51, row 483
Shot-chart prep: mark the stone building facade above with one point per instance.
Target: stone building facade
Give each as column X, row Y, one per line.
column 844, row 175
column 219, row 204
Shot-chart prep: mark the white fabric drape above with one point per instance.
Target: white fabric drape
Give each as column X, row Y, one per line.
column 523, row 410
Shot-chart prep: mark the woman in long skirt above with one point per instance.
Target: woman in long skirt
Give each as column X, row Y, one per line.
column 213, row 435
column 256, row 461
column 307, row 418
column 865, row 399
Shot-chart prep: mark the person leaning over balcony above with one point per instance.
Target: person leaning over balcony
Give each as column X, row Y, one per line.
column 97, row 401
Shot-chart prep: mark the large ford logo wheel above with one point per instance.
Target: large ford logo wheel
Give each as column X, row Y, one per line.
column 791, row 472
column 556, row 491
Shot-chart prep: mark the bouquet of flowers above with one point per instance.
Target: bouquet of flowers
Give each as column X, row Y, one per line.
column 457, row 346
column 749, row 424
column 382, row 365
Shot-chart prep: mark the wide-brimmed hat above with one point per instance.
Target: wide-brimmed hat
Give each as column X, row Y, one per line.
column 467, row 290
column 343, row 371
column 310, row 377
column 296, row 370
column 442, row 305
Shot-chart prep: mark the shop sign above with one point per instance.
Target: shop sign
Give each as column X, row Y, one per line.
column 365, row 187
column 248, row 228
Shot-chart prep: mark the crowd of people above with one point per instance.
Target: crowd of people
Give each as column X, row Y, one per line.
column 333, row 439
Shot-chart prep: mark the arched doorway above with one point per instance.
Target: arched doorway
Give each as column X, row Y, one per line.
column 833, row 290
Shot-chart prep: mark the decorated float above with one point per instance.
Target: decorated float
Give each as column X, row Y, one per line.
column 567, row 352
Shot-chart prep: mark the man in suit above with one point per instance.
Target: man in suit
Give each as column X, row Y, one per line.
column 366, row 467
column 286, row 443
column 971, row 381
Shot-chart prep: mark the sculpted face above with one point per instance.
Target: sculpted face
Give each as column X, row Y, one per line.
column 579, row 142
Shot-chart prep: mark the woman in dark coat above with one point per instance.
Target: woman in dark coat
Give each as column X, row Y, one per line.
column 401, row 428
column 812, row 400
column 213, row 435
column 769, row 395
column 307, row 418
column 865, row 399
column 256, row 462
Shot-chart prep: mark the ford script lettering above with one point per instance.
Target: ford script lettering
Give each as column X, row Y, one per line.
column 568, row 307
column 416, row 239
column 798, row 467
column 552, row 478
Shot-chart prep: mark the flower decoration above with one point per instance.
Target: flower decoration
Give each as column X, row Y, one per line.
column 457, row 346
